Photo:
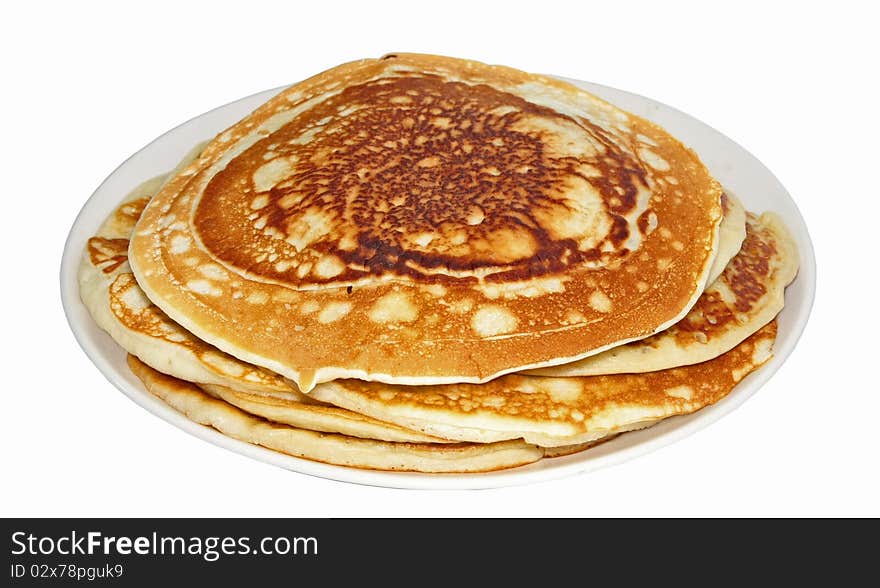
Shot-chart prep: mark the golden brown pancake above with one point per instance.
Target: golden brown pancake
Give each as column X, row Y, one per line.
column 198, row 406
column 418, row 219
column 553, row 411
column 747, row 295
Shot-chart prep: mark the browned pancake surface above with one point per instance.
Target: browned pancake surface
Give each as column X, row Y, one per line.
column 422, row 219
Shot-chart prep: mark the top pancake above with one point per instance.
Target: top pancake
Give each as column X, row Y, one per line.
column 419, row 219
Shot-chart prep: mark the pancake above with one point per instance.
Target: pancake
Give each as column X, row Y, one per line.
column 317, row 416
column 747, row 296
column 199, row 407
column 730, row 236
column 424, row 220
column 553, row 411
column 110, row 293
column 202, row 362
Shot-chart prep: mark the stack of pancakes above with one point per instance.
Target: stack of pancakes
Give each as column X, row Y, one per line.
column 427, row 264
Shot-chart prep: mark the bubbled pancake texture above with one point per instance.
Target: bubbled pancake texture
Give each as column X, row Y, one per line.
column 421, row 220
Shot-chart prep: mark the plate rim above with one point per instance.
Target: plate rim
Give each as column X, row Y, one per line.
column 613, row 452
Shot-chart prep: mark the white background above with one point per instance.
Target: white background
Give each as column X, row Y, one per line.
column 87, row 84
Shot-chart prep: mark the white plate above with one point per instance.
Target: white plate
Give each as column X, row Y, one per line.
column 731, row 165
